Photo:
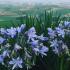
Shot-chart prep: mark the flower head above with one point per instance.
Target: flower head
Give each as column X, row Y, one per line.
column 60, row 32
column 11, row 32
column 1, row 59
column 2, row 31
column 34, row 43
column 31, row 33
column 43, row 50
column 5, row 53
column 42, row 38
column 23, row 26
column 17, row 47
column 51, row 33
column 54, row 45
column 1, row 40
column 18, row 29
column 16, row 63
column 67, row 24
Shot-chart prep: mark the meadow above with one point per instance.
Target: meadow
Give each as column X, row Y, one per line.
column 15, row 14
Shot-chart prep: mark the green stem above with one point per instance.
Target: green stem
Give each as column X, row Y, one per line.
column 61, row 63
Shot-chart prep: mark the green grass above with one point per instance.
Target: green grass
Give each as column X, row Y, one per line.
column 35, row 15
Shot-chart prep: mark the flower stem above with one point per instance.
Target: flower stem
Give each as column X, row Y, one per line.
column 61, row 63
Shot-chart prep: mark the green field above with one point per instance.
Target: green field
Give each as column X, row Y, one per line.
column 15, row 13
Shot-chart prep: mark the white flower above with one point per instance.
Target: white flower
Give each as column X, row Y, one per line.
column 2, row 30
column 17, row 47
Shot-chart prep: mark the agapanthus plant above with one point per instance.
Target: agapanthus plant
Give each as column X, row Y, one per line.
column 19, row 48
column 57, row 38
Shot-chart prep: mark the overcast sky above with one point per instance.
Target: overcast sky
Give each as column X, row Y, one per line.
column 35, row 1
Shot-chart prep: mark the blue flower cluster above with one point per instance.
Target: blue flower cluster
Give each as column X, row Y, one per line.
column 36, row 42
column 19, row 47
column 57, row 36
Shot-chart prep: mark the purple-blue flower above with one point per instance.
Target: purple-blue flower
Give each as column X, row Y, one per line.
column 60, row 25
column 43, row 50
column 34, row 43
column 60, row 32
column 1, row 59
column 2, row 31
column 23, row 26
column 31, row 33
column 16, row 63
column 42, row 38
column 54, row 45
column 67, row 24
column 2, row 40
column 51, row 33
column 11, row 32
column 18, row 29
column 6, row 53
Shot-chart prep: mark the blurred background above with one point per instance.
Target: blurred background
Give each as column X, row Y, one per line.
column 12, row 9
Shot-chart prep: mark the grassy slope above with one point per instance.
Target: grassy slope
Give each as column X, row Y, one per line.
column 36, row 10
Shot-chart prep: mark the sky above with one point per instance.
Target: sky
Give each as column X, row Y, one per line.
column 35, row 1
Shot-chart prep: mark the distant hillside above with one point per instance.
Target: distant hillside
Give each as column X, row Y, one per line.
column 18, row 10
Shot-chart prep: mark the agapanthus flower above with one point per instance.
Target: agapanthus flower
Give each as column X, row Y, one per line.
column 18, row 29
column 17, row 47
column 67, row 24
column 1, row 59
column 11, row 32
column 16, row 63
column 34, row 43
column 60, row 25
column 42, row 38
column 23, row 26
column 6, row 53
column 2, row 40
column 51, row 33
column 31, row 33
column 43, row 50
column 65, row 48
column 2, row 31
column 36, row 50
column 54, row 45
column 59, row 47
column 60, row 32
